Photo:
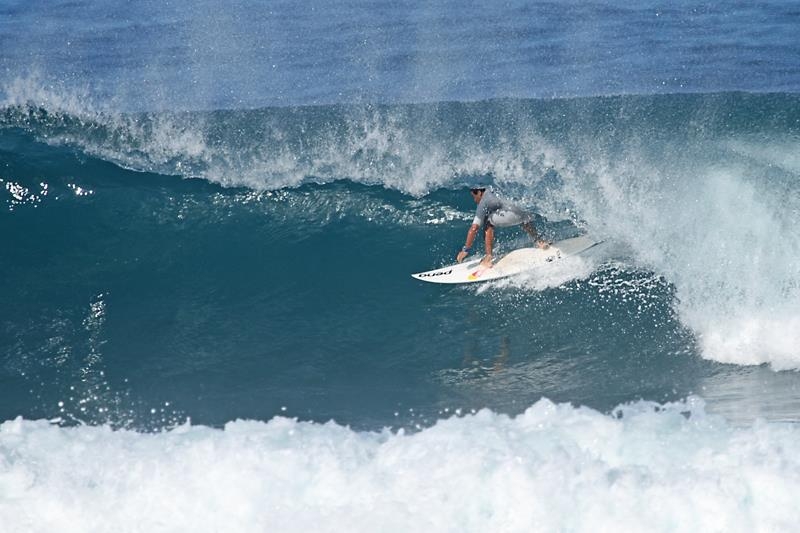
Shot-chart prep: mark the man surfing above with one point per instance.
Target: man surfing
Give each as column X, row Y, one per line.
column 494, row 211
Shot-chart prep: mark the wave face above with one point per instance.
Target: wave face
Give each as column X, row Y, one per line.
column 699, row 189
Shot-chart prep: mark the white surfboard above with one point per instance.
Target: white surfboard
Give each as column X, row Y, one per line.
column 512, row 263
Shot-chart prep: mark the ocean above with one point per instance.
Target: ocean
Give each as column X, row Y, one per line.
column 210, row 214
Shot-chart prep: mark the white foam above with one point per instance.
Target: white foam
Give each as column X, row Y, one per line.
column 548, row 276
column 365, row 145
column 784, row 153
column 552, row 468
column 168, row 143
column 721, row 229
column 46, row 94
column 745, row 339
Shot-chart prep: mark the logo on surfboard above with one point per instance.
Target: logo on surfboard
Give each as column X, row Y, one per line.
column 434, row 274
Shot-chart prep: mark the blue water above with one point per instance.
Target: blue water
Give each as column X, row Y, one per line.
column 168, row 55
column 209, row 217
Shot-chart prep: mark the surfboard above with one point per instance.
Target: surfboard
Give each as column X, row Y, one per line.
column 515, row 262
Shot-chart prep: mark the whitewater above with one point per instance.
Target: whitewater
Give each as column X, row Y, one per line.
column 209, row 219
column 551, row 468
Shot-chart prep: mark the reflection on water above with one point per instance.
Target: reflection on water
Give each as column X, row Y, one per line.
column 496, row 375
column 472, row 359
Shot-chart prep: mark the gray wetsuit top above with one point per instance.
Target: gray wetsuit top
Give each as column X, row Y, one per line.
column 499, row 212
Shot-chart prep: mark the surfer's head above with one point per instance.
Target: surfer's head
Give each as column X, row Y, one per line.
column 477, row 193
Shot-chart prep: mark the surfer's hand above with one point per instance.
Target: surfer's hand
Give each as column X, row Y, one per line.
column 461, row 255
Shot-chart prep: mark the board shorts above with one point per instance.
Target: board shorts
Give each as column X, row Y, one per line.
column 500, row 213
column 504, row 218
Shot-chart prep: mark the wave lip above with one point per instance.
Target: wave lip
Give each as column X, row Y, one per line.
column 645, row 467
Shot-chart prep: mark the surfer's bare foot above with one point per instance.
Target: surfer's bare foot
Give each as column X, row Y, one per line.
column 487, row 261
column 544, row 245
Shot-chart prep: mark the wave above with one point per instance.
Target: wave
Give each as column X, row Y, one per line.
column 702, row 189
column 414, row 149
column 551, row 468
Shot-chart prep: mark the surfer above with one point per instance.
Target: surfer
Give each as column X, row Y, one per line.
column 494, row 211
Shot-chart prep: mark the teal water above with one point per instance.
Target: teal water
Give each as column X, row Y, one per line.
column 208, row 219
column 132, row 289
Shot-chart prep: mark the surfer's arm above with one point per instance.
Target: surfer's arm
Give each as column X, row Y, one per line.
column 473, row 231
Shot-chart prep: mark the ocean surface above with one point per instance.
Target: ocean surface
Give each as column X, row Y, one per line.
column 209, row 215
